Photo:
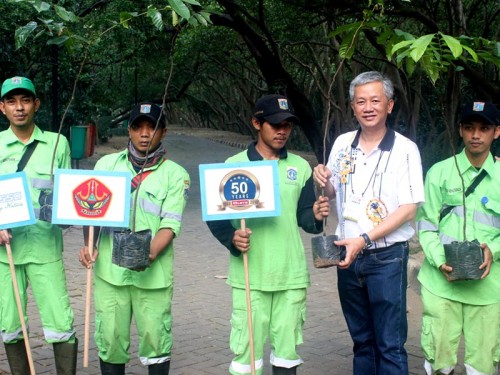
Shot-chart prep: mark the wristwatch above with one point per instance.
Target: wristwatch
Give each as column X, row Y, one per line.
column 368, row 242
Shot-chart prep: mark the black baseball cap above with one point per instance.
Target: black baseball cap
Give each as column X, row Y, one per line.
column 147, row 110
column 488, row 112
column 274, row 109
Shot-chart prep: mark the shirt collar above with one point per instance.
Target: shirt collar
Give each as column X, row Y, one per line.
column 253, row 154
column 465, row 164
column 384, row 145
column 37, row 134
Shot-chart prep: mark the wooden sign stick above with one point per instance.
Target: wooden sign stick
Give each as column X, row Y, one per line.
column 249, row 304
column 20, row 308
column 90, row 246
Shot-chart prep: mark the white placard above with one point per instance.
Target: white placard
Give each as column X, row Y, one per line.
column 16, row 208
column 239, row 190
column 88, row 197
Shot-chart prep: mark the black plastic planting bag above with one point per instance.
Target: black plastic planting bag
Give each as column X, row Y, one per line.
column 131, row 249
column 325, row 252
column 46, row 201
column 465, row 258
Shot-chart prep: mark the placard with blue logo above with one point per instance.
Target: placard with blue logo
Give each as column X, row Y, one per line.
column 90, row 197
column 239, row 190
column 16, row 208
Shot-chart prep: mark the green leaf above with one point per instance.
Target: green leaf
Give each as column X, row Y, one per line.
column 472, row 53
column 156, row 18
column 201, row 19
column 433, row 73
column 192, row 2
column 65, row 15
column 345, row 28
column 420, row 46
column 180, row 8
column 23, row 33
column 454, row 45
column 206, row 16
column 410, row 66
column 175, row 19
column 193, row 22
column 400, row 45
column 41, row 6
column 125, row 17
column 60, row 40
column 404, row 34
column 496, row 49
column 348, row 45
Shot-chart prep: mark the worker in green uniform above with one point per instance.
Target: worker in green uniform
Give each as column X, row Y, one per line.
column 276, row 260
column 123, row 292
column 470, row 308
column 36, row 249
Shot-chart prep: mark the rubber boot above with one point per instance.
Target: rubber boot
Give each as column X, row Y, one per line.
column 284, row 371
column 17, row 358
column 65, row 354
column 111, row 368
column 159, row 368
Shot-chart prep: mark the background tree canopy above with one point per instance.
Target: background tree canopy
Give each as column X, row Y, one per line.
column 103, row 56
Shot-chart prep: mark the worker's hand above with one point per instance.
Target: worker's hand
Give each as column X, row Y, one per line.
column 5, row 237
column 488, row 259
column 241, row 239
column 446, row 269
column 321, row 208
column 86, row 259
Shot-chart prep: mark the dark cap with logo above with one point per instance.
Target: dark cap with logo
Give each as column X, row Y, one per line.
column 149, row 111
column 486, row 111
column 274, row 109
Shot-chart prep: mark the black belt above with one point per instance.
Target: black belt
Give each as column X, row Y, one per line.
column 380, row 249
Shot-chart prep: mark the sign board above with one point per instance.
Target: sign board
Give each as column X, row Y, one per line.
column 239, row 190
column 16, row 208
column 88, row 197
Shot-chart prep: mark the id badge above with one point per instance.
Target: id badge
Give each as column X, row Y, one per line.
column 352, row 209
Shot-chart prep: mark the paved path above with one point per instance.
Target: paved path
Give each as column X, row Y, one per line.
column 202, row 306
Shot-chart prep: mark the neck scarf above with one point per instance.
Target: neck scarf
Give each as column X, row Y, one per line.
column 139, row 162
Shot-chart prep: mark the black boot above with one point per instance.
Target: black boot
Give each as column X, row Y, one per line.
column 159, row 368
column 111, row 368
column 284, row 371
column 17, row 358
column 65, row 354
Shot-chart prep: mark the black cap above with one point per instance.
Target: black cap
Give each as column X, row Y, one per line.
column 147, row 110
column 274, row 109
column 484, row 110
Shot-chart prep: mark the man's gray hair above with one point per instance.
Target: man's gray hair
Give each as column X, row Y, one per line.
column 369, row 77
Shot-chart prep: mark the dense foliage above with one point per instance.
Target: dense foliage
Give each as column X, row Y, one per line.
column 91, row 60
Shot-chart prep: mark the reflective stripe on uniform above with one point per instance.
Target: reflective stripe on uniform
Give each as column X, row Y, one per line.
column 40, row 183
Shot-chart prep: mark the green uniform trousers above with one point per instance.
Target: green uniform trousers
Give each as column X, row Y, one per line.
column 280, row 315
column 445, row 321
column 48, row 285
column 152, row 311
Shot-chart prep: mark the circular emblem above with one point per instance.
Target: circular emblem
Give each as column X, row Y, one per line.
column 239, row 190
column 376, row 211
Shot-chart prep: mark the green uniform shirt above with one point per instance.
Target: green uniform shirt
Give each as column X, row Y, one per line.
column 443, row 187
column 160, row 204
column 42, row 241
column 277, row 259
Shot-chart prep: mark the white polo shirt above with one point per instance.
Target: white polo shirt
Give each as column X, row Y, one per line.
column 371, row 186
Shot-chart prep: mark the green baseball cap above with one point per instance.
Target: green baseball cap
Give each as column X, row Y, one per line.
column 15, row 83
